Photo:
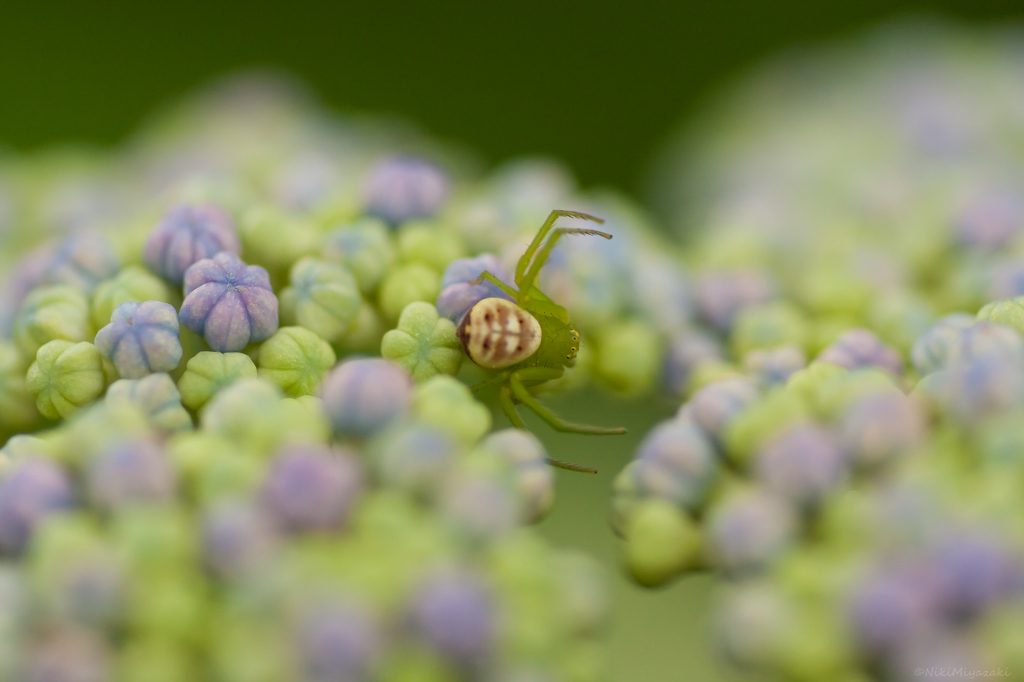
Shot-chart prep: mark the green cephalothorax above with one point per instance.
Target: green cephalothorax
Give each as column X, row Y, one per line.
column 528, row 341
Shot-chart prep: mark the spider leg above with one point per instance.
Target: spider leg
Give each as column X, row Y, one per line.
column 524, row 261
column 486, row 275
column 509, row 408
column 557, row 423
column 510, row 411
column 531, row 276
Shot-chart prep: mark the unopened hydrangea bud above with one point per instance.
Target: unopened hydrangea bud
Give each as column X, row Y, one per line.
column 424, row 343
column 228, row 303
column 49, row 313
column 321, row 297
column 208, row 372
column 65, row 377
column 186, row 235
column 398, row 188
column 362, row 397
column 311, row 488
column 132, row 283
column 295, row 359
column 157, row 397
column 142, row 338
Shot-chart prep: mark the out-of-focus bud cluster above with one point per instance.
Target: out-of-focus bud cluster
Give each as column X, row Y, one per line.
column 205, row 473
column 847, row 459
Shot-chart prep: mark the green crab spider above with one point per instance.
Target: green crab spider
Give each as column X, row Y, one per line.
column 531, row 341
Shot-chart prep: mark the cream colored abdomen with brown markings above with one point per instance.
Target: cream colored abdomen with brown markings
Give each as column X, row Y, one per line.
column 497, row 333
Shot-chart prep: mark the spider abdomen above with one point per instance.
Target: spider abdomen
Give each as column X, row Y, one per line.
column 497, row 333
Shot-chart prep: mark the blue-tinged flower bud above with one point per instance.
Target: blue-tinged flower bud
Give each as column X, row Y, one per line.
column 141, row 338
column 228, row 303
column 364, row 249
column 157, row 397
column 721, row 295
column 454, row 614
column 535, row 479
column 458, row 295
column 973, row 390
column 802, row 464
column 887, row 607
column 132, row 472
column 676, row 462
column 337, row 640
column 714, row 407
column 973, row 571
column 413, row 458
column 82, row 261
column 686, row 351
column 34, row 488
column 986, row 339
column 750, row 529
column 186, row 235
column 361, row 397
column 880, row 426
column 238, row 538
column 398, row 188
column 858, row 348
column 933, row 349
column 312, row 488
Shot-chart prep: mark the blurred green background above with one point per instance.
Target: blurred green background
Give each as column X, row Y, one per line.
column 600, row 85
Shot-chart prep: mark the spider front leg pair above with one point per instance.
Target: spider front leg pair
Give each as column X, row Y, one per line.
column 515, row 390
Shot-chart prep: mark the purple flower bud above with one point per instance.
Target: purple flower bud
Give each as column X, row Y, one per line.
column 312, row 488
column 141, row 338
column 82, row 260
column 676, row 462
column 802, row 464
column 131, row 472
column 858, row 348
column 888, row 607
column 454, row 614
column 713, row 407
column 338, row 640
column 363, row 396
column 880, row 426
column 686, row 351
column 722, row 294
column 35, row 488
column 985, row 339
column 933, row 349
column 977, row 389
column 229, row 303
column 413, row 458
column 458, row 295
column 186, row 235
column 973, row 571
column 399, row 188
column 749, row 530
column 237, row 537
